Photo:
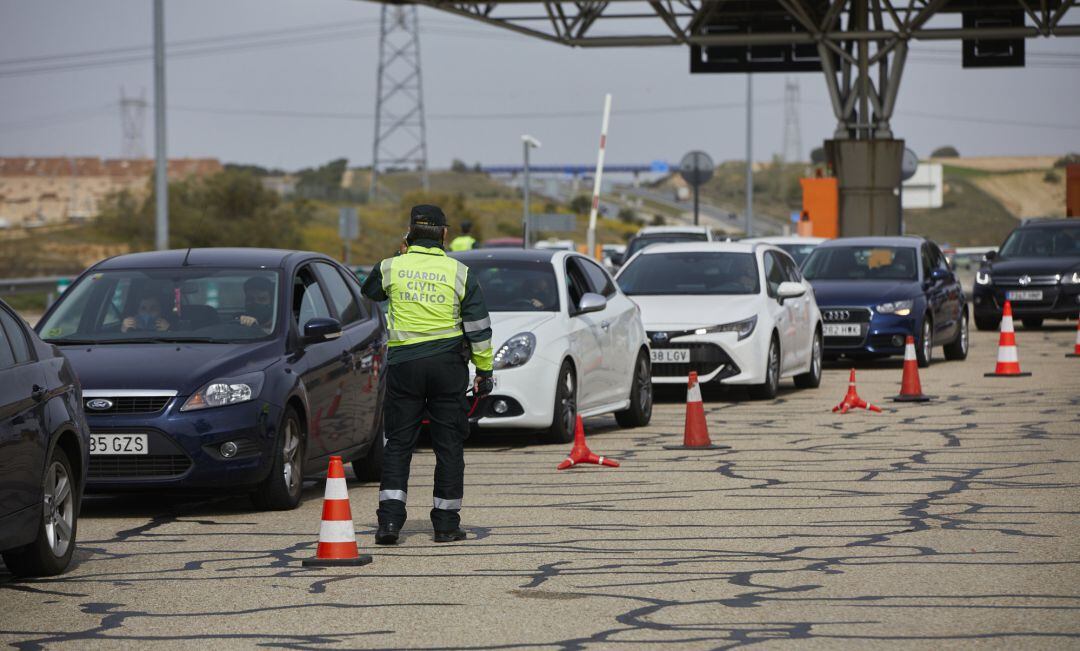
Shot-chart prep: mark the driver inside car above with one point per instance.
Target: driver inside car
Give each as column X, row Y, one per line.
column 540, row 291
column 258, row 304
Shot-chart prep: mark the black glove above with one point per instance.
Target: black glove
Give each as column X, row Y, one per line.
column 484, row 387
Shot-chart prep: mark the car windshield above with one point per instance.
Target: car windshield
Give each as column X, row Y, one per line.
column 512, row 286
column 195, row 304
column 798, row 252
column 642, row 241
column 1056, row 242
column 690, row 272
column 862, row 263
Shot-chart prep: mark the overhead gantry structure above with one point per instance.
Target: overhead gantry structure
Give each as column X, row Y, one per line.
column 860, row 46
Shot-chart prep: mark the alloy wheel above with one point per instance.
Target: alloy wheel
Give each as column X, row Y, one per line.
column 290, row 449
column 773, row 370
column 815, row 357
column 644, row 382
column 927, row 340
column 59, row 507
column 964, row 335
column 569, row 408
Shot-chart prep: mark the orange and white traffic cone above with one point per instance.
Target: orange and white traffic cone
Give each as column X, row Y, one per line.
column 581, row 453
column 910, row 387
column 696, row 430
column 337, row 538
column 1008, row 360
column 1076, row 349
column 852, row 399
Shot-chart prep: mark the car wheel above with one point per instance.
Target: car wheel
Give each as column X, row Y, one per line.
column 812, row 378
column 564, row 415
column 369, row 467
column 767, row 390
column 639, row 413
column 1032, row 322
column 987, row 323
column 958, row 349
column 924, row 350
column 281, row 489
column 51, row 551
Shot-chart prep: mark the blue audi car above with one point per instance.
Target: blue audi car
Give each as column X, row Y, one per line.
column 875, row 291
column 223, row 370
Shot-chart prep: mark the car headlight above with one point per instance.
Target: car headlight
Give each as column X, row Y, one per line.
column 899, row 308
column 982, row 277
column 226, row 391
column 516, row 351
column 744, row 328
column 1071, row 279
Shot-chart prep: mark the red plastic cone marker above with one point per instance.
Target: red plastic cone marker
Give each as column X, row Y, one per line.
column 910, row 387
column 337, row 538
column 1008, row 361
column 580, row 453
column 1076, row 348
column 696, row 431
column 852, row 399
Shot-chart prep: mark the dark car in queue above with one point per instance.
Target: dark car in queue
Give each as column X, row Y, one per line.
column 1037, row 269
column 875, row 291
column 223, row 369
column 44, row 446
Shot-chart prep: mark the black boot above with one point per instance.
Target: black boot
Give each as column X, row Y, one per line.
column 450, row 536
column 387, row 534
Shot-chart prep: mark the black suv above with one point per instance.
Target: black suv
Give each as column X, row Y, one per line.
column 1037, row 269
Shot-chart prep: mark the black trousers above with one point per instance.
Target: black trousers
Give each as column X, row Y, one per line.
column 433, row 387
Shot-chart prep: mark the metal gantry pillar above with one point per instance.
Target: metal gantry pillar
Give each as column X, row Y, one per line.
column 400, row 131
column 161, row 167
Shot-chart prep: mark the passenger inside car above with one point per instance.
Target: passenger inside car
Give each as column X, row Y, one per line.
column 148, row 317
column 258, row 304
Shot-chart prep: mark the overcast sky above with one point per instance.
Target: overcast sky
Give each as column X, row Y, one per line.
column 221, row 104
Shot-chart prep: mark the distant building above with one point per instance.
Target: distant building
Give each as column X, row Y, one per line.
column 38, row 191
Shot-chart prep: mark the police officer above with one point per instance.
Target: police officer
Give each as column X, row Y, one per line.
column 437, row 319
column 464, row 242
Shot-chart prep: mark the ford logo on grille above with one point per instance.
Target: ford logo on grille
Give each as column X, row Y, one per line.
column 660, row 337
column 99, row 404
column 1025, row 280
column 837, row 315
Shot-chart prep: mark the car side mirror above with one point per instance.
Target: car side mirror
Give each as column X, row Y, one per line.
column 591, row 302
column 990, row 255
column 321, row 329
column 937, row 275
column 789, row 289
column 616, row 259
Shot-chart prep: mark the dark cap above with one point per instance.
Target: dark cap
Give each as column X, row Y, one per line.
column 427, row 215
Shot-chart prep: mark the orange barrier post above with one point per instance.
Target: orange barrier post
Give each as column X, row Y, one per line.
column 581, row 453
column 852, row 399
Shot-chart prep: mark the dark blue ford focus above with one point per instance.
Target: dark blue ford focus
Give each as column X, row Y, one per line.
column 235, row 369
column 875, row 291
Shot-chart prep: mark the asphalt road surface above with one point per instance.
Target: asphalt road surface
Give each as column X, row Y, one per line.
column 952, row 523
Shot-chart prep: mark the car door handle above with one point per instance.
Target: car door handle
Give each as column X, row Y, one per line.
column 347, row 358
column 605, row 324
column 38, row 393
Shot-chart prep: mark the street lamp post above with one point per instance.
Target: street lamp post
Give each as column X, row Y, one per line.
column 161, row 180
column 527, row 143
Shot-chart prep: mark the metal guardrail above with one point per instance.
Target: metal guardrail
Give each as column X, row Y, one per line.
column 31, row 285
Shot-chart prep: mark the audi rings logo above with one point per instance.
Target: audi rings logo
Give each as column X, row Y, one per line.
column 660, row 337
column 1025, row 280
column 837, row 315
column 99, row 404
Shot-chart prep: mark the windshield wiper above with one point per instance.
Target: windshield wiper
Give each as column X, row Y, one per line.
column 181, row 340
column 84, row 342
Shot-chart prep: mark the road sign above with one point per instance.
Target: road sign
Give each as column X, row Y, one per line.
column 659, row 166
column 909, row 162
column 348, row 224
column 552, row 222
column 696, row 168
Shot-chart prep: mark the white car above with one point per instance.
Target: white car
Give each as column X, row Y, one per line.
column 567, row 342
column 799, row 248
column 735, row 313
column 651, row 235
